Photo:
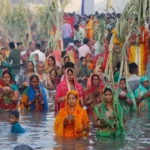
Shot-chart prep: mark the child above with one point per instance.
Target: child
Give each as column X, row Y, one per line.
column 13, row 120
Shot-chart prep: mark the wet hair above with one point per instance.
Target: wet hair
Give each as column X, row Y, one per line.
column 85, row 41
column 70, row 70
column 22, row 147
column 38, row 46
column 34, row 76
column 39, row 62
column 69, row 65
column 132, row 67
column 53, row 58
column 66, row 58
column 8, row 72
column 107, row 89
column 11, row 45
column 14, row 113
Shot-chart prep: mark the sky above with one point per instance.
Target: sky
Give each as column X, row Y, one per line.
column 99, row 5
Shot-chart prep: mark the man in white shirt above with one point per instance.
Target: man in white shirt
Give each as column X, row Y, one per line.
column 133, row 80
column 85, row 48
column 79, row 33
column 38, row 51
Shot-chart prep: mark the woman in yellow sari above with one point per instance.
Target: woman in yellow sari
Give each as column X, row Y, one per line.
column 89, row 28
column 72, row 121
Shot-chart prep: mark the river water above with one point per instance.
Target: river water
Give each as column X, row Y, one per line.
column 40, row 134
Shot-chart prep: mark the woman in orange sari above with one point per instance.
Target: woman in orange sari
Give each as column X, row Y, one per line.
column 72, row 120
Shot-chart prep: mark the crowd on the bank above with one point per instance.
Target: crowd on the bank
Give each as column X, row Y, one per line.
column 82, row 87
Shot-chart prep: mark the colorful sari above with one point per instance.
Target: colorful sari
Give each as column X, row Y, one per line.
column 64, row 87
column 30, row 95
column 113, row 125
column 6, row 103
column 145, row 104
column 75, row 130
column 125, row 106
column 93, row 93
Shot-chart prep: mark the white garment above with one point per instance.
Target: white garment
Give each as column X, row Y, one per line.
column 79, row 35
column 41, row 55
column 84, row 50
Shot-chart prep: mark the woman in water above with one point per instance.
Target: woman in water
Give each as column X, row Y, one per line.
column 9, row 94
column 125, row 96
column 83, row 73
column 108, row 116
column 142, row 94
column 72, row 120
column 34, row 98
column 25, row 75
column 93, row 94
column 68, row 83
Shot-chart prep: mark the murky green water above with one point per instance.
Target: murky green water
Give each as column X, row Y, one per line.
column 40, row 135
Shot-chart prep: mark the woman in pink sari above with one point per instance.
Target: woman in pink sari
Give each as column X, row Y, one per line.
column 69, row 83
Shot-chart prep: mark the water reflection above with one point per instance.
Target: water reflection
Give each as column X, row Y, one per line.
column 40, row 134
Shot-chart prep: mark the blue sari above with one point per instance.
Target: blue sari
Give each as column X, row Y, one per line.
column 31, row 93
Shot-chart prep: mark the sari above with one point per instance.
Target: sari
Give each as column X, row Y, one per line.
column 63, row 88
column 6, row 103
column 129, row 95
column 113, row 125
column 75, row 130
column 93, row 93
column 30, row 95
column 141, row 91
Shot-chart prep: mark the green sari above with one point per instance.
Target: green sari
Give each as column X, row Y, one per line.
column 113, row 125
column 125, row 106
column 145, row 104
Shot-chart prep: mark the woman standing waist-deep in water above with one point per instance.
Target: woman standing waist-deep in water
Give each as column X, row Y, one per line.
column 108, row 116
column 72, row 120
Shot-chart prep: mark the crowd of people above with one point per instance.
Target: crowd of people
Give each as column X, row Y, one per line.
column 82, row 87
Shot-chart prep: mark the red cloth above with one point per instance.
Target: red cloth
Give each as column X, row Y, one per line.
column 4, row 106
column 63, row 88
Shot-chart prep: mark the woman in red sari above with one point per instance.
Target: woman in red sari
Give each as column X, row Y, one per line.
column 93, row 93
column 69, row 83
column 9, row 94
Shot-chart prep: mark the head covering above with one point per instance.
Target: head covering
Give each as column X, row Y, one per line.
column 116, row 122
column 31, row 93
column 6, row 64
column 79, row 114
column 130, row 94
column 64, row 86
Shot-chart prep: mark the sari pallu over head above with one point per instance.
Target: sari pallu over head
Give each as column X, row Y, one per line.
column 141, row 91
column 30, row 94
column 79, row 114
column 117, row 122
column 63, row 88
column 5, row 102
column 130, row 95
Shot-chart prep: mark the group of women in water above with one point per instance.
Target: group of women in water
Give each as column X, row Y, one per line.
column 80, row 94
